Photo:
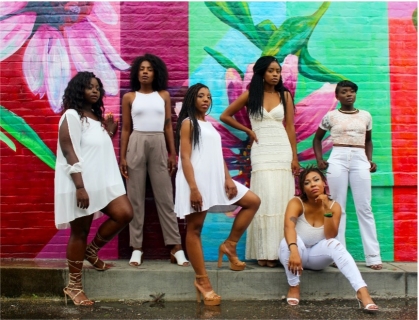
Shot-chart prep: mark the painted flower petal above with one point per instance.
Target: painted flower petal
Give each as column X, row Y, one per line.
column 57, row 69
column 105, row 12
column 33, row 61
column 248, row 76
column 7, row 7
column 13, row 33
column 289, row 73
column 312, row 109
column 110, row 52
column 308, row 154
column 87, row 55
column 234, row 84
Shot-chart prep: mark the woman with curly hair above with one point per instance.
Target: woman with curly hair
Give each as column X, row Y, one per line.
column 311, row 226
column 87, row 179
column 147, row 135
column 274, row 155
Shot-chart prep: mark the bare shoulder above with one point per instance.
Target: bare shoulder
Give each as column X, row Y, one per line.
column 164, row 94
column 129, row 97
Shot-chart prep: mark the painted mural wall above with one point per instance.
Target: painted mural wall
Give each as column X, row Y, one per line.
column 43, row 44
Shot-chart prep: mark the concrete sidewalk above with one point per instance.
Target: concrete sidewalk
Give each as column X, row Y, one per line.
column 48, row 277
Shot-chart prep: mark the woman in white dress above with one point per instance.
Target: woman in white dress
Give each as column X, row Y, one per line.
column 203, row 184
column 273, row 156
column 311, row 225
column 87, row 180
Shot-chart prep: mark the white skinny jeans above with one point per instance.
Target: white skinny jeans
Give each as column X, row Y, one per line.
column 350, row 166
column 319, row 256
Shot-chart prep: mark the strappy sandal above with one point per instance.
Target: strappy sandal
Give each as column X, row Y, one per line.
column 376, row 266
column 179, row 258
column 293, row 301
column 369, row 308
column 136, row 258
column 91, row 254
column 235, row 263
column 210, row 298
column 74, row 287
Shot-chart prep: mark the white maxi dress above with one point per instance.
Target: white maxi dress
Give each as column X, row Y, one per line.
column 97, row 164
column 272, row 180
column 208, row 164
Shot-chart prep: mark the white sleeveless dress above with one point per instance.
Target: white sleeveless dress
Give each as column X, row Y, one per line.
column 99, row 168
column 208, row 164
column 272, row 180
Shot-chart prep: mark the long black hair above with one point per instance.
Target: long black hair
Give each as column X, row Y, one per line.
column 302, row 177
column 256, row 89
column 189, row 111
column 73, row 97
column 161, row 76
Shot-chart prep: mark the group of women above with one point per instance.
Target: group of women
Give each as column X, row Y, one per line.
column 88, row 182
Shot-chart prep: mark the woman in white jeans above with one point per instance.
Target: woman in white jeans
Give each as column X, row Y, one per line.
column 350, row 164
column 311, row 225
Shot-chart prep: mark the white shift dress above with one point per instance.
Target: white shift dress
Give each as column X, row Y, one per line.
column 97, row 163
column 208, row 164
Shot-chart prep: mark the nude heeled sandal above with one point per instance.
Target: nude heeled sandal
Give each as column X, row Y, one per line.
column 75, row 287
column 91, row 253
column 235, row 263
column 210, row 298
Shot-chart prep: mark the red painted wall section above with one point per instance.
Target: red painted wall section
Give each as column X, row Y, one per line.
column 403, row 79
column 147, row 27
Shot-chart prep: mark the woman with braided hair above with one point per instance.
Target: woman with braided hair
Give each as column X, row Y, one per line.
column 273, row 155
column 87, row 179
column 203, row 183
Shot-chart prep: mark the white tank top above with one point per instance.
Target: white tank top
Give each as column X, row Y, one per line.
column 309, row 234
column 147, row 112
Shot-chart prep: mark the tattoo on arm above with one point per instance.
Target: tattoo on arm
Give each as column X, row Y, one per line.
column 166, row 121
column 294, row 219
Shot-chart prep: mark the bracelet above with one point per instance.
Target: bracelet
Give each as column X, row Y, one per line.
column 293, row 243
column 328, row 214
column 82, row 187
column 110, row 133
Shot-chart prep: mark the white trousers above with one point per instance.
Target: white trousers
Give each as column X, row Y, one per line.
column 319, row 257
column 350, row 167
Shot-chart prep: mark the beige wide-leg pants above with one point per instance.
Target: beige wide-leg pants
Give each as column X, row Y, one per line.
column 147, row 153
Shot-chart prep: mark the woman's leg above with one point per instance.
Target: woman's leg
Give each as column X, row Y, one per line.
column 76, row 249
column 323, row 252
column 360, row 182
column 293, row 279
column 120, row 214
column 163, row 192
column 250, row 204
column 338, row 180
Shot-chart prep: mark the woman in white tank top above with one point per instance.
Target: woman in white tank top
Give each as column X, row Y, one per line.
column 147, row 135
column 311, row 225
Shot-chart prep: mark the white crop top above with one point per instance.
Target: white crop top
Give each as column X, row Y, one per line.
column 347, row 128
column 309, row 234
column 148, row 112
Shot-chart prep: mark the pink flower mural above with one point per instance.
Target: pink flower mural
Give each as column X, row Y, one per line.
column 60, row 32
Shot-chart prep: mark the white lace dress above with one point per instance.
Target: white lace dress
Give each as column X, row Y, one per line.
column 272, row 180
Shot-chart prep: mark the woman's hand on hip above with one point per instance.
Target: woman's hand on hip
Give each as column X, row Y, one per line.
column 123, row 167
column 82, row 198
column 196, row 200
column 252, row 137
column 230, row 188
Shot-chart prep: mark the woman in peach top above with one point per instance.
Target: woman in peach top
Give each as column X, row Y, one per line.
column 350, row 163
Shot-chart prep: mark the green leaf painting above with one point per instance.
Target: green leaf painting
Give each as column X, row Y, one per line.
column 24, row 134
column 7, row 141
column 313, row 69
column 415, row 18
column 223, row 61
column 291, row 37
